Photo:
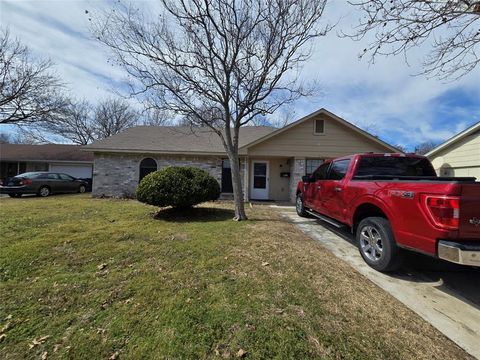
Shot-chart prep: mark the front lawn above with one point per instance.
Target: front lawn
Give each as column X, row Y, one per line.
column 97, row 279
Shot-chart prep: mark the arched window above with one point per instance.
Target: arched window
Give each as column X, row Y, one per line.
column 147, row 166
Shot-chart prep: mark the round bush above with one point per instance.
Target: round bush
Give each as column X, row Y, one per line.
column 179, row 187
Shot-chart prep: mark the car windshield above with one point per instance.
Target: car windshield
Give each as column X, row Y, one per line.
column 28, row 175
column 397, row 166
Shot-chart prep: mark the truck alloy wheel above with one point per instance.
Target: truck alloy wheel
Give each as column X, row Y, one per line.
column 371, row 243
column 377, row 244
column 300, row 207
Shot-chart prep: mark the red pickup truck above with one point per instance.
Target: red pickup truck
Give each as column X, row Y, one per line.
column 393, row 202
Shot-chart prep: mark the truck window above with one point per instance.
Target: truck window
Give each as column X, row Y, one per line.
column 392, row 165
column 338, row 170
column 321, row 172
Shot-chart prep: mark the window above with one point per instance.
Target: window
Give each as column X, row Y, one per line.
column 319, row 127
column 227, row 186
column 338, row 169
column 393, row 165
column 311, row 165
column 52, row 176
column 65, row 177
column 147, row 166
column 321, row 172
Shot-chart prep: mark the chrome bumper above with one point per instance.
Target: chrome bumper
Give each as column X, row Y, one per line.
column 459, row 253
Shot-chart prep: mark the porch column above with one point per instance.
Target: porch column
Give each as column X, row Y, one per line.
column 297, row 170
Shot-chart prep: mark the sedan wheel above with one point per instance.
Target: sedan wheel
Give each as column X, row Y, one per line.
column 82, row 189
column 44, row 191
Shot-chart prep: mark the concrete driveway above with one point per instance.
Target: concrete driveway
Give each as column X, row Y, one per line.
column 444, row 294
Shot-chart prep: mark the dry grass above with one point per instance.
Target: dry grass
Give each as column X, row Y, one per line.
column 104, row 277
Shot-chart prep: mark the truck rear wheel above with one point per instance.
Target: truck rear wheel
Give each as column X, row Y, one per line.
column 377, row 244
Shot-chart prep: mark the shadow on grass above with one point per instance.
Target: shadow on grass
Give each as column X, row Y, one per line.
column 194, row 214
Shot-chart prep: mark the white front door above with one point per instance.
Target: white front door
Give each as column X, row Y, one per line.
column 259, row 180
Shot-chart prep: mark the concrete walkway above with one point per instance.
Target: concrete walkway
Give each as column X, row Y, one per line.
column 456, row 316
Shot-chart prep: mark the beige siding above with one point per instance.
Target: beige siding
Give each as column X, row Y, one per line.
column 459, row 159
column 279, row 187
column 300, row 141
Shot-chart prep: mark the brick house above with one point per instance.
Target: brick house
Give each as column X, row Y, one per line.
column 272, row 160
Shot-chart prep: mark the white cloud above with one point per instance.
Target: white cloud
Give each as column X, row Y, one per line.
column 402, row 108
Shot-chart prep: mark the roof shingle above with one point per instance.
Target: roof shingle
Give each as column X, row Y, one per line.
column 46, row 152
column 174, row 139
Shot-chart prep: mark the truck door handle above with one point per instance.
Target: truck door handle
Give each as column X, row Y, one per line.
column 337, row 189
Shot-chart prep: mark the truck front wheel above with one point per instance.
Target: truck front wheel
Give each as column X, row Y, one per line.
column 300, row 206
column 377, row 244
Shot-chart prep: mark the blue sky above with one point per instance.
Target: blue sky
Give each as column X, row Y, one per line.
column 385, row 97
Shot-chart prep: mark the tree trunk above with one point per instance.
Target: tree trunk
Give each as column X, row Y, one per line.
column 237, row 186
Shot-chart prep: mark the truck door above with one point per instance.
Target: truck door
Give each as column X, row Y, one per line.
column 332, row 202
column 315, row 188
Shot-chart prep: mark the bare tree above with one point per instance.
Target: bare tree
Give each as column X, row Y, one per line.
column 29, row 91
column 452, row 26
column 6, row 138
column 17, row 138
column 155, row 117
column 238, row 59
column 113, row 116
column 83, row 123
column 401, row 147
column 425, row 147
column 277, row 120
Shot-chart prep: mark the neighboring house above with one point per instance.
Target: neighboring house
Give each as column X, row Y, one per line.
column 272, row 160
column 459, row 155
column 69, row 159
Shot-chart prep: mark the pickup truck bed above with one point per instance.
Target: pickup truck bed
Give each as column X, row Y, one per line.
column 393, row 202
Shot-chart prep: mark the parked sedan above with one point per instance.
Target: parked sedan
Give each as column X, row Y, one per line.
column 41, row 184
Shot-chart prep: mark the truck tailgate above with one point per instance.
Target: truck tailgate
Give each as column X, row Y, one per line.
column 469, row 227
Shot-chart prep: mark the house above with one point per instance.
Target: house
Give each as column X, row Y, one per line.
column 272, row 161
column 459, row 155
column 69, row 159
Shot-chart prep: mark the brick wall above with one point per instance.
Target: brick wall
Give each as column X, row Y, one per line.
column 117, row 175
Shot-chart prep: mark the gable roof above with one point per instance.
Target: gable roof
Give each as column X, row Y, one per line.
column 173, row 139
column 323, row 111
column 472, row 129
column 203, row 141
column 44, row 152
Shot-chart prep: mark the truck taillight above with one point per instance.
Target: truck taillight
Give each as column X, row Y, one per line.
column 443, row 210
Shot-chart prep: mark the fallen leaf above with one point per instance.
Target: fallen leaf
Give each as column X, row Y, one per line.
column 2, row 337
column 45, row 355
column 38, row 341
column 7, row 326
column 265, row 263
column 56, row 347
column 101, row 266
column 241, row 353
column 114, row 356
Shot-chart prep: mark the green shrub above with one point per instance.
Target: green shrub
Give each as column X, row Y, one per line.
column 178, row 187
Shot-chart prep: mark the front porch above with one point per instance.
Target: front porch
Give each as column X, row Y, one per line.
column 268, row 178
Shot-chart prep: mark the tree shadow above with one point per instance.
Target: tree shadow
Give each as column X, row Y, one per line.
column 195, row 214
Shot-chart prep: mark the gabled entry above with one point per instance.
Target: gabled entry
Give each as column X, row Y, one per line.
column 259, row 180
